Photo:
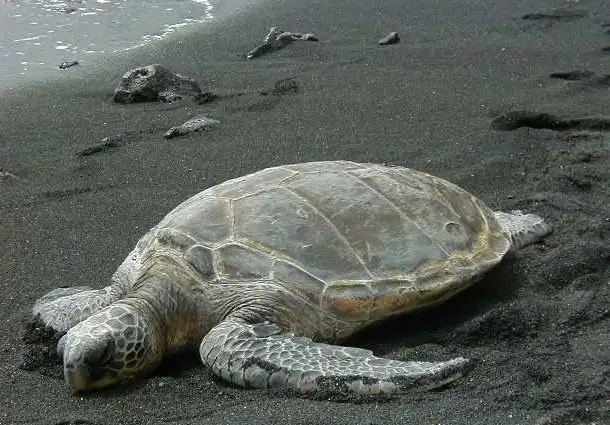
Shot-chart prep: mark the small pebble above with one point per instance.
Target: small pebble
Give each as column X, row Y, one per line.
column 191, row 126
column 391, row 38
column 68, row 64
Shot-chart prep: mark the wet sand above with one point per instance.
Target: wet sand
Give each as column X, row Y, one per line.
column 467, row 95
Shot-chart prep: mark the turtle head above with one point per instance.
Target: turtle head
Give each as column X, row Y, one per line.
column 116, row 344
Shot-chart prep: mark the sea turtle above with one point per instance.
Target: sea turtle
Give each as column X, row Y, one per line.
column 263, row 272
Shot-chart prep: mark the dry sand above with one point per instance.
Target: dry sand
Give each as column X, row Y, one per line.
column 538, row 325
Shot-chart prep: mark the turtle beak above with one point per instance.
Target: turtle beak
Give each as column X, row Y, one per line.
column 78, row 378
column 76, row 374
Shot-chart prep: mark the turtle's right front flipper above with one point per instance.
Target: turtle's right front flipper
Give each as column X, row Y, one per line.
column 260, row 356
column 63, row 308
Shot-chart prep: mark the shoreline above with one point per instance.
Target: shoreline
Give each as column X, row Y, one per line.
column 536, row 325
column 39, row 37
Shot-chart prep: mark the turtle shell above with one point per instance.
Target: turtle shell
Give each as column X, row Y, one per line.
column 359, row 241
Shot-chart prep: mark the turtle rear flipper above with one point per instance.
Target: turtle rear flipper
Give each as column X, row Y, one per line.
column 523, row 229
column 261, row 356
column 63, row 308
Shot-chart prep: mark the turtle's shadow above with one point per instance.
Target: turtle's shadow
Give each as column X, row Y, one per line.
column 178, row 364
column 437, row 324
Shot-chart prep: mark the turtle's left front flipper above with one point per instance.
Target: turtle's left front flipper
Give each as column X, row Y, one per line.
column 261, row 356
column 63, row 308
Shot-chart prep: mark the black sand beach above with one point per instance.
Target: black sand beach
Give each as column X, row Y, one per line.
column 461, row 96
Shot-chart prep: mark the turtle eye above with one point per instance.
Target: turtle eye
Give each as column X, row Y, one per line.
column 107, row 354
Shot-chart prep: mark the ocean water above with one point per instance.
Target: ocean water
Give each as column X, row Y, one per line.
column 36, row 36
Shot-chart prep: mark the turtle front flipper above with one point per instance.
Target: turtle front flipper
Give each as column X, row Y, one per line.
column 63, row 308
column 261, row 356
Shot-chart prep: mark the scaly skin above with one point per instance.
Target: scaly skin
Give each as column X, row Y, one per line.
column 261, row 356
column 64, row 308
column 116, row 344
column 130, row 337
